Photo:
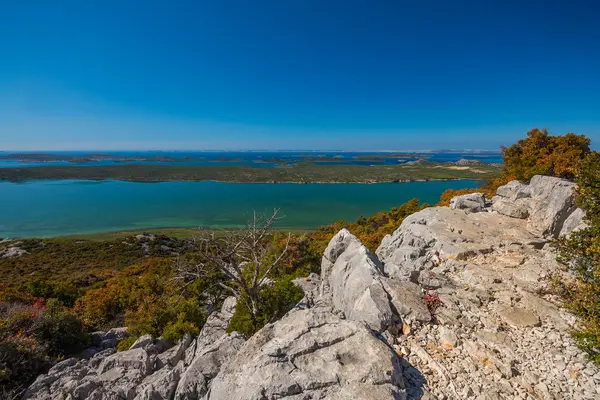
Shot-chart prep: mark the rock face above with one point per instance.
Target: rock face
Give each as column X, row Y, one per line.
column 547, row 202
column 496, row 334
column 356, row 286
column 453, row 306
column 473, row 202
column 149, row 370
column 329, row 350
column 311, row 354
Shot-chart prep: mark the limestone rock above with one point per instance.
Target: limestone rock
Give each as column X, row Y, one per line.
column 433, row 236
column 511, row 208
column 130, row 359
column 216, row 324
column 574, row 222
column 407, row 299
column 552, row 203
column 160, row 385
column 336, row 246
column 175, row 354
column 519, row 317
column 514, row 190
column 205, row 366
column 308, row 284
column 448, row 338
column 356, row 287
column 547, row 202
column 472, row 202
column 142, row 342
column 13, row 251
column 308, row 354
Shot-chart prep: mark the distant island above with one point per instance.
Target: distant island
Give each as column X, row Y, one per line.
column 86, row 158
column 300, row 172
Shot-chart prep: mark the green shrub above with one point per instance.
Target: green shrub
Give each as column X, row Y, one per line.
column 581, row 253
column 32, row 336
column 21, row 360
column 60, row 331
column 126, row 343
column 543, row 154
column 275, row 300
column 65, row 292
column 183, row 324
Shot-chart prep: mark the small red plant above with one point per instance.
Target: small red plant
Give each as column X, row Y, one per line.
column 433, row 302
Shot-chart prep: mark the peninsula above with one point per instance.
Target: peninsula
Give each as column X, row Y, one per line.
column 302, row 172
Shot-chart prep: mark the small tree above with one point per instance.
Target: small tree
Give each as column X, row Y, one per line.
column 543, row 154
column 243, row 256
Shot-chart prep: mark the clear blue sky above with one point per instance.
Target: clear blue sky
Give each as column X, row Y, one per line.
column 319, row 74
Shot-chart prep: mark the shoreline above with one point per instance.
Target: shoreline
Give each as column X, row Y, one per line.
column 300, row 174
column 396, row 181
column 179, row 232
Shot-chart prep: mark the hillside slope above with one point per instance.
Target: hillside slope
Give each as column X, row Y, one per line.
column 454, row 305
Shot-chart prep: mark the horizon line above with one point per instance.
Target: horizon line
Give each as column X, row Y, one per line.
column 253, row 150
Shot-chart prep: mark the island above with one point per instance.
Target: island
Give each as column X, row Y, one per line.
column 301, row 172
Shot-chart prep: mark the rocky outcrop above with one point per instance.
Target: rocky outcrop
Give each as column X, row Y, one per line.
column 152, row 369
column 546, row 202
column 311, row 354
column 355, row 284
column 497, row 333
column 472, row 202
column 455, row 305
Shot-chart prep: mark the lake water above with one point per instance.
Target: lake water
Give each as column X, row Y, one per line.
column 52, row 208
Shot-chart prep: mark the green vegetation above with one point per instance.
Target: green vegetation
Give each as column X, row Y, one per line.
column 51, row 265
column 131, row 281
column 581, row 253
column 33, row 334
column 303, row 172
column 85, row 158
column 538, row 154
column 275, row 300
column 369, row 230
column 543, row 154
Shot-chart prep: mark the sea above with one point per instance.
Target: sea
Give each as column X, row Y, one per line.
column 49, row 208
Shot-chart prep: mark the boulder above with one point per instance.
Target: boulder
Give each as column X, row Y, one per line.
column 205, row 366
column 143, row 342
column 337, row 245
column 552, row 201
column 547, row 202
column 310, row 354
column 514, row 190
column 216, row 324
column 160, row 385
column 472, row 202
column 574, row 222
column 355, row 284
column 511, row 208
column 175, row 354
column 131, row 359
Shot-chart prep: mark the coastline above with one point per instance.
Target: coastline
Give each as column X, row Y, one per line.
column 300, row 174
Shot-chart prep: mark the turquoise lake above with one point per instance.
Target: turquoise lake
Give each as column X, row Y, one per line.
column 54, row 208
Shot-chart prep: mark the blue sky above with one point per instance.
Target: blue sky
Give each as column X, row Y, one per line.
column 289, row 74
